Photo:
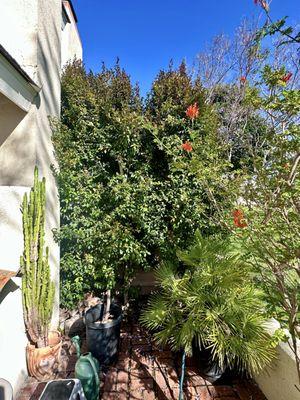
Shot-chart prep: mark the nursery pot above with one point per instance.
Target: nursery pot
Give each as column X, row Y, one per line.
column 103, row 338
column 43, row 362
column 209, row 368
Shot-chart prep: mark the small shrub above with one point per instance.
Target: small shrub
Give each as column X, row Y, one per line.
column 210, row 299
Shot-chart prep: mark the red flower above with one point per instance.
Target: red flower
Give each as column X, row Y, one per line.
column 238, row 219
column 187, row 146
column 287, row 77
column 192, row 111
column 243, row 79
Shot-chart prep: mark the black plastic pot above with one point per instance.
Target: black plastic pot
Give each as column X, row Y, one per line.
column 103, row 339
column 208, row 368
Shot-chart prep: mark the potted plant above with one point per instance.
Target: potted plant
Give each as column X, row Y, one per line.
column 209, row 302
column 43, row 349
column 103, row 323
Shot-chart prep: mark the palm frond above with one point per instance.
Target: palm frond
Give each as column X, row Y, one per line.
column 214, row 303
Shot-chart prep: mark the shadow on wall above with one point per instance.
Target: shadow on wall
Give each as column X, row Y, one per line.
column 17, row 152
column 48, row 77
column 10, row 117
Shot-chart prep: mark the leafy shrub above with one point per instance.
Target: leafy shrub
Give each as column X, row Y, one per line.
column 127, row 197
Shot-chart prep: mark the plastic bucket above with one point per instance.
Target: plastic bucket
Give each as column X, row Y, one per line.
column 103, row 339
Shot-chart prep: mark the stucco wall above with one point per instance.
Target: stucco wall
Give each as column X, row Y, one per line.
column 278, row 382
column 30, row 30
column 49, row 62
column 71, row 47
column 18, row 27
column 12, row 331
column 17, row 144
column 11, row 237
column 12, row 335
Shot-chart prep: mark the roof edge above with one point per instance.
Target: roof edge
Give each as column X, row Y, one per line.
column 73, row 10
column 18, row 68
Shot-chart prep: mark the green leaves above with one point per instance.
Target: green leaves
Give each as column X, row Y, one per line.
column 128, row 193
column 211, row 301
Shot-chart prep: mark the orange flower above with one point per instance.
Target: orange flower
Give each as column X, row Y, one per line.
column 187, row 147
column 287, row 77
column 238, row 218
column 192, row 111
column 243, row 79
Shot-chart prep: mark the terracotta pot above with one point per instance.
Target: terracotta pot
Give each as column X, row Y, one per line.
column 42, row 363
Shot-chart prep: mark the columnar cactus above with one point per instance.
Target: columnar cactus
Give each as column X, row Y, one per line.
column 37, row 288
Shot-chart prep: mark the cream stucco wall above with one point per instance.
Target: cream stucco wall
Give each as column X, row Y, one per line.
column 17, row 144
column 12, row 331
column 49, row 62
column 31, row 31
column 71, row 47
column 18, row 28
column 278, row 382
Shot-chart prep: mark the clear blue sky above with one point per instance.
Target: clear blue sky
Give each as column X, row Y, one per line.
column 146, row 34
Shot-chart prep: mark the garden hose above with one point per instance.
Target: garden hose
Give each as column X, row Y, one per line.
column 182, row 376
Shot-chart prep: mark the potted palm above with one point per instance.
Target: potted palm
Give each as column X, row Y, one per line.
column 209, row 303
column 43, row 349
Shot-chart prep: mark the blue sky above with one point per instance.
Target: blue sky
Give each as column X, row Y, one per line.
column 146, row 34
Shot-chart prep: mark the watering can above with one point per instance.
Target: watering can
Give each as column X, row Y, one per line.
column 87, row 371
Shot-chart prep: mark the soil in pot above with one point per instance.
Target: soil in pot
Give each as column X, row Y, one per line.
column 103, row 338
column 43, row 362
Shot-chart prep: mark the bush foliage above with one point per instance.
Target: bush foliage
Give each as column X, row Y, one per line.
column 128, row 197
column 216, row 150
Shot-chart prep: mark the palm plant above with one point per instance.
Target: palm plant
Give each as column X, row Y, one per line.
column 211, row 300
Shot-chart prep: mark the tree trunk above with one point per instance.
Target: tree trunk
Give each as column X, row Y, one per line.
column 107, row 306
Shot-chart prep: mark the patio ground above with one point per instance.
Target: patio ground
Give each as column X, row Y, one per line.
column 144, row 372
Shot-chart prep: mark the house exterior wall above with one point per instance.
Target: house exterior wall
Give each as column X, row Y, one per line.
column 278, row 382
column 12, row 333
column 18, row 32
column 18, row 145
column 31, row 31
column 70, row 40
column 48, row 74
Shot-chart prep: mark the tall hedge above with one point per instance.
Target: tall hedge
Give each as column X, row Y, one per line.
column 128, row 197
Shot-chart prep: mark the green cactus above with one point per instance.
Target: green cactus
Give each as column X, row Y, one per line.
column 37, row 287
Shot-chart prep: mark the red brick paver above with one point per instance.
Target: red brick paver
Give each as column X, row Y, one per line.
column 145, row 372
column 153, row 374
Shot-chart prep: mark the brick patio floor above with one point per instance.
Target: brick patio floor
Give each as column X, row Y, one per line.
column 144, row 372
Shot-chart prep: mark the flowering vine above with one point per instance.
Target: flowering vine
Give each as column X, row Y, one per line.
column 287, row 77
column 192, row 111
column 239, row 218
column 187, row 147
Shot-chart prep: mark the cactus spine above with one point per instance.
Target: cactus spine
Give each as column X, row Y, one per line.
column 37, row 288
